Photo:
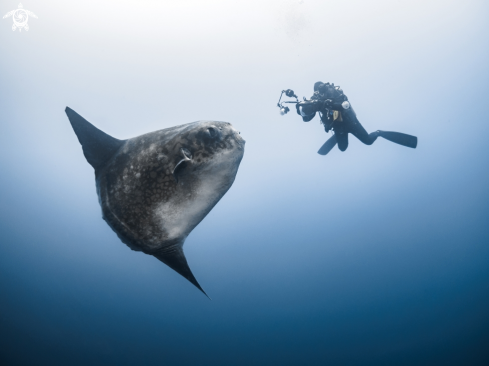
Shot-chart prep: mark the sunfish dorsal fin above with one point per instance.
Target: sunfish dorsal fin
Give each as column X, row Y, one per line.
column 98, row 147
column 175, row 259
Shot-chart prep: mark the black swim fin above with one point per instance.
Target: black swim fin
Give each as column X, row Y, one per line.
column 400, row 138
column 327, row 146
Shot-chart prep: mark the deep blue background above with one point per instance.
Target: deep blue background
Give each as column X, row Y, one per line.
column 375, row 256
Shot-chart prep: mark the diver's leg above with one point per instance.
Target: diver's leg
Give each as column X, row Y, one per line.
column 353, row 125
column 357, row 130
column 342, row 140
column 397, row 137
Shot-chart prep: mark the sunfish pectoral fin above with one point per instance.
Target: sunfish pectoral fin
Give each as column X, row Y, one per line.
column 175, row 259
column 185, row 157
column 98, row 147
column 178, row 167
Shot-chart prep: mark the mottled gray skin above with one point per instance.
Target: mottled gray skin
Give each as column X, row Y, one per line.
column 156, row 188
column 152, row 209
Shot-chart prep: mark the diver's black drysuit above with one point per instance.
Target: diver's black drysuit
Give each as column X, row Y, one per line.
column 337, row 114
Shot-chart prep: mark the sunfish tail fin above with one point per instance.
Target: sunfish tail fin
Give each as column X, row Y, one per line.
column 98, row 147
column 400, row 138
column 175, row 259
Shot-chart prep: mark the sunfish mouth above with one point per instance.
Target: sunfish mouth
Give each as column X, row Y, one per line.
column 239, row 138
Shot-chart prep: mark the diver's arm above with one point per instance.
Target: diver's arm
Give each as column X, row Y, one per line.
column 339, row 104
column 305, row 117
column 308, row 118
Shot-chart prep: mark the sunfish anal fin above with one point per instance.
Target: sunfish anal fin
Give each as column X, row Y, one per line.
column 175, row 259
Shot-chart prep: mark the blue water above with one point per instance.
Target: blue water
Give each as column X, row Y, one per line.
column 375, row 256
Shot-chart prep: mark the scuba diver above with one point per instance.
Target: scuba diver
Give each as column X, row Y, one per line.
column 337, row 114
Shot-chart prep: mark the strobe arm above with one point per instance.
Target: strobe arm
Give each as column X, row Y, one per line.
column 290, row 93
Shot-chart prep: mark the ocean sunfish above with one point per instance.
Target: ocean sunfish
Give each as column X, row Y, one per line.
column 154, row 189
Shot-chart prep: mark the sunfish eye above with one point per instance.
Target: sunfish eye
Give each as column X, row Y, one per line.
column 213, row 132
